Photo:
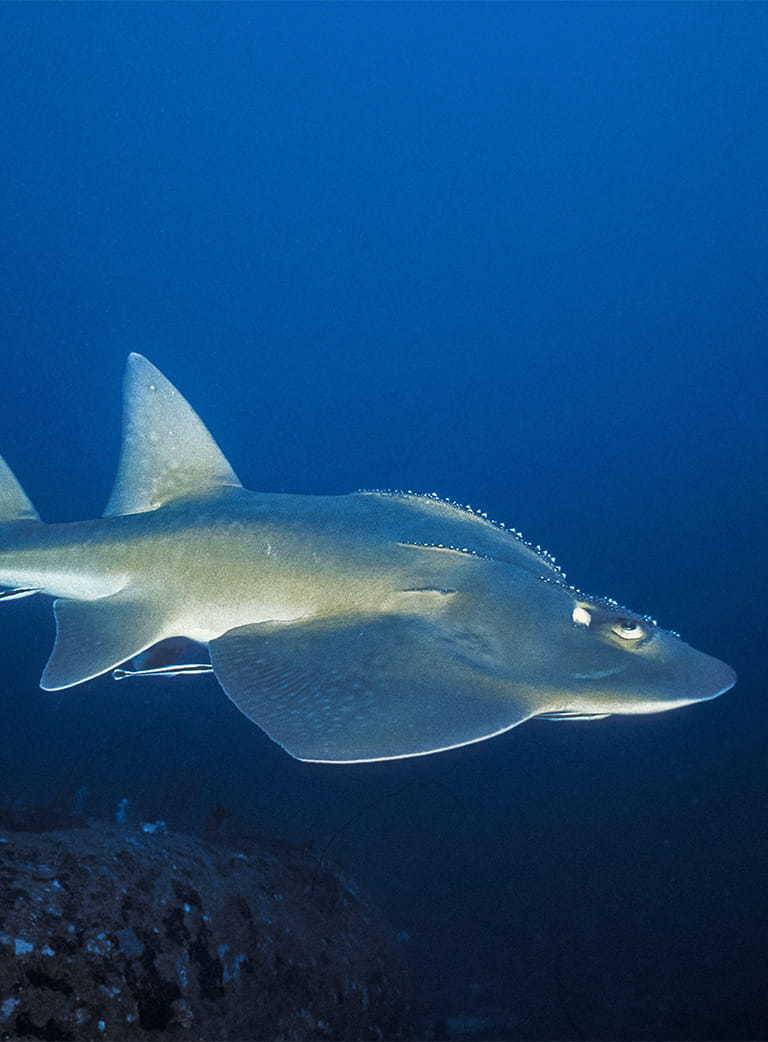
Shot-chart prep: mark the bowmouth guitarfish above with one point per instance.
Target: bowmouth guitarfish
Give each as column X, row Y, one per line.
column 361, row 627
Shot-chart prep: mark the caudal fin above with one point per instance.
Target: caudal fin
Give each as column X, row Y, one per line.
column 15, row 504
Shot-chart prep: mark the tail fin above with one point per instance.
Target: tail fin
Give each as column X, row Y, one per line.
column 14, row 502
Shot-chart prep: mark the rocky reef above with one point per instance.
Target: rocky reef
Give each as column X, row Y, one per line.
column 110, row 932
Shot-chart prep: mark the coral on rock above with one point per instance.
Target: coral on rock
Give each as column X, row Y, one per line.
column 111, row 933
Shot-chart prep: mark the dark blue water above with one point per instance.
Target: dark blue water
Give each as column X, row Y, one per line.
column 513, row 254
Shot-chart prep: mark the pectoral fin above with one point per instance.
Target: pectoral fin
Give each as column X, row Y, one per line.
column 364, row 688
column 94, row 636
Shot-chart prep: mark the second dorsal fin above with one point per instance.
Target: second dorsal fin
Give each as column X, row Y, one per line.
column 14, row 502
column 167, row 451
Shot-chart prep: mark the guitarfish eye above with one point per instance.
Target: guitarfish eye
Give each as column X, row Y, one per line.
column 628, row 629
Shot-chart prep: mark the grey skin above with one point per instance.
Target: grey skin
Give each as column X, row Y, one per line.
column 351, row 628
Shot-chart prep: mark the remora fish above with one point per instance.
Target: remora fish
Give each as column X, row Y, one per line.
column 352, row 628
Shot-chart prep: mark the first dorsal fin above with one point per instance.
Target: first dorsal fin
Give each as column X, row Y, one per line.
column 167, row 452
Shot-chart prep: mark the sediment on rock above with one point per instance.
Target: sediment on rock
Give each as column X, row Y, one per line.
column 112, row 933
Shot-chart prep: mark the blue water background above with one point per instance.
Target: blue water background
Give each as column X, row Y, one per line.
column 513, row 254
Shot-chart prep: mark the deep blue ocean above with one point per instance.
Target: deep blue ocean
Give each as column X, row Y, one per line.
column 514, row 254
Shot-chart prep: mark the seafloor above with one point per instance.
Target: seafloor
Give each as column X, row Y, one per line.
column 115, row 932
